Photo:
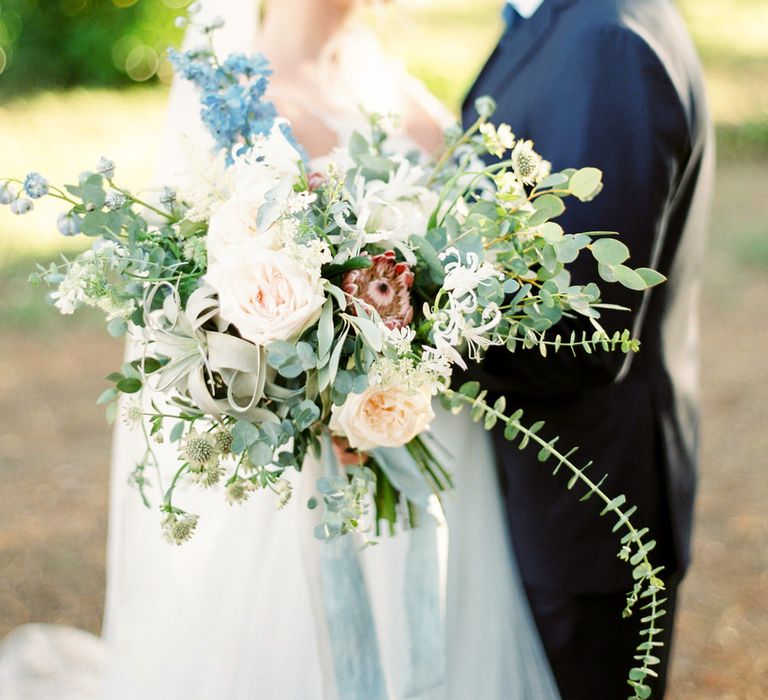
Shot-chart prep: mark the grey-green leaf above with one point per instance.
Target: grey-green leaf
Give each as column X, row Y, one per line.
column 586, row 183
column 609, row 251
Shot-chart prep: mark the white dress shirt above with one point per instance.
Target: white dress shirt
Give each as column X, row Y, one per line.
column 526, row 8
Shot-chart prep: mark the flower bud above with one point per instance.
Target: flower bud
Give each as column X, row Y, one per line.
column 69, row 224
column 106, row 168
column 7, row 195
column 21, row 206
column 485, row 106
column 115, row 200
column 168, row 198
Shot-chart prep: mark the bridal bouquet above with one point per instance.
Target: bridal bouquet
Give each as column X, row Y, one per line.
column 281, row 303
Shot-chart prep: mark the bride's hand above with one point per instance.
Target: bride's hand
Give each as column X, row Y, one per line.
column 348, row 456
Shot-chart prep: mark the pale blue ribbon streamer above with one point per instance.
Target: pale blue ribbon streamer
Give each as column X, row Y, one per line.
column 349, row 622
column 423, row 583
column 346, row 608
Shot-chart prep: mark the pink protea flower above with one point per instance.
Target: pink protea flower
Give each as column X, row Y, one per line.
column 386, row 286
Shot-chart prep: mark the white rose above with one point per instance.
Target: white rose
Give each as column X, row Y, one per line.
column 266, row 294
column 233, row 224
column 383, row 416
column 402, row 218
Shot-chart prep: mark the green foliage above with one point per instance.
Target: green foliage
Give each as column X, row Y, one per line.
column 61, row 43
column 635, row 547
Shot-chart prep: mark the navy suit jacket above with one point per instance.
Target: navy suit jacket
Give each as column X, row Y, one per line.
column 614, row 84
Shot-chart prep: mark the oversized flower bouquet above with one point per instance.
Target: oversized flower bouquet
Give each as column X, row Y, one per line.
column 278, row 301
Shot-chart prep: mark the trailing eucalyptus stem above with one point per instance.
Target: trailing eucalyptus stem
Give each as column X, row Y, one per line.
column 635, row 548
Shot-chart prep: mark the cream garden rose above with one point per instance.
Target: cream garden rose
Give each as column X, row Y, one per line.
column 266, row 294
column 383, row 416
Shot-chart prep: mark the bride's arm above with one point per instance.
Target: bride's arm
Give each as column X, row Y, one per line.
column 425, row 118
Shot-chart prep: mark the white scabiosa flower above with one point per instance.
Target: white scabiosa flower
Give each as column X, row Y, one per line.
column 207, row 477
column 179, row 528
column 132, row 415
column 497, row 140
column 284, row 492
column 199, row 450
column 70, row 293
column 525, row 162
column 222, row 439
column 238, row 491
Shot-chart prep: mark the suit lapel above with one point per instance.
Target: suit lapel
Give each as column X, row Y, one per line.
column 515, row 50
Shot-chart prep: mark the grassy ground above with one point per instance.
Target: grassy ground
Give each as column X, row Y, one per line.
column 54, row 463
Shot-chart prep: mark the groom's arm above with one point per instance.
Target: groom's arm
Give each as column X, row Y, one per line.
column 628, row 121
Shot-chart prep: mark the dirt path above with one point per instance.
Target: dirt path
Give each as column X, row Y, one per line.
column 54, row 454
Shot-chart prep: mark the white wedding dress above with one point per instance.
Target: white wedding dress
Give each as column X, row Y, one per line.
column 229, row 615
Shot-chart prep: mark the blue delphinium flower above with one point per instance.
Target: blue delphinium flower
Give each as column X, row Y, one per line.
column 35, row 185
column 198, row 68
column 248, row 66
column 232, row 101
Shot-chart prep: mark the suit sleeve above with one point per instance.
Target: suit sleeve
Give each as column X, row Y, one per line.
column 615, row 109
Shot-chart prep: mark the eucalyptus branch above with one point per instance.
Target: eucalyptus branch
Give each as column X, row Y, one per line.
column 465, row 138
column 635, row 548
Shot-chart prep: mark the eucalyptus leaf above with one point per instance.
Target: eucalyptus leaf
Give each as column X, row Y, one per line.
column 177, row 431
column 650, row 277
column 244, row 434
column 586, row 183
column 609, row 251
column 629, row 278
column 607, row 272
column 107, row 395
column 117, row 327
column 546, row 207
column 260, row 454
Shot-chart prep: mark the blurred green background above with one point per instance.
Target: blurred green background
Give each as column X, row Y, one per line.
column 85, row 78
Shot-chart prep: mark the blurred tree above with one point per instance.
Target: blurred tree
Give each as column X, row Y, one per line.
column 63, row 43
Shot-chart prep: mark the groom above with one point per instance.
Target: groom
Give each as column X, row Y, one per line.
column 613, row 84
